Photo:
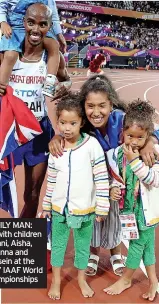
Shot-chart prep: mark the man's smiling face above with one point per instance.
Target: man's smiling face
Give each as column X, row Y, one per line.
column 37, row 23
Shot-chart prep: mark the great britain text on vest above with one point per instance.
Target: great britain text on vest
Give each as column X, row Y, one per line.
column 27, row 79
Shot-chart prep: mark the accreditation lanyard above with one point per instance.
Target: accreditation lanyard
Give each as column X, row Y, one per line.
column 136, row 190
column 128, row 221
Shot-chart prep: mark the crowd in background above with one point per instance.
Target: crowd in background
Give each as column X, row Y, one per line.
column 139, row 6
column 130, row 33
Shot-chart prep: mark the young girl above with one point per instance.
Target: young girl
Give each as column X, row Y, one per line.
column 104, row 119
column 11, row 18
column 77, row 189
column 140, row 198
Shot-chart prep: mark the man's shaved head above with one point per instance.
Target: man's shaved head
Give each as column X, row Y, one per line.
column 37, row 22
column 39, row 9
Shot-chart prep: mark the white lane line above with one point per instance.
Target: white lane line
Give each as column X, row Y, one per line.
column 125, row 79
column 132, row 76
column 145, row 94
column 75, row 77
column 79, row 81
column 126, row 85
column 114, row 81
column 114, row 76
column 130, row 84
column 108, row 72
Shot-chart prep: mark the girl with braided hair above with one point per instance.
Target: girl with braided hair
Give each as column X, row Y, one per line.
column 140, row 198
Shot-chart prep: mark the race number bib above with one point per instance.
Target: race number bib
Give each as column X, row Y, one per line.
column 129, row 227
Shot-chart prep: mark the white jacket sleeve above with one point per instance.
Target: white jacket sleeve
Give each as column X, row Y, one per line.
column 51, row 182
column 149, row 176
column 101, row 179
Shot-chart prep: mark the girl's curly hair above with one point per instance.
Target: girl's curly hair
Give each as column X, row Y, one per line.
column 140, row 112
column 70, row 103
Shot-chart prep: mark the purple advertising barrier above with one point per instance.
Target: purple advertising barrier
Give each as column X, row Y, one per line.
column 70, row 36
column 154, row 53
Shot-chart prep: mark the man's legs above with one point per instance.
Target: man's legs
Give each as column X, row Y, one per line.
column 34, row 177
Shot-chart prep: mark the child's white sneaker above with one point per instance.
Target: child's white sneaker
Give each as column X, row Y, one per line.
column 49, row 85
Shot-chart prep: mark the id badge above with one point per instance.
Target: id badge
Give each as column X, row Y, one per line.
column 129, row 227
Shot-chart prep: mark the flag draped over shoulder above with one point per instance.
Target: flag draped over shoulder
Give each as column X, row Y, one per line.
column 18, row 125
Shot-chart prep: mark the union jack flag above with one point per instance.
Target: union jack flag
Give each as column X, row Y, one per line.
column 18, row 125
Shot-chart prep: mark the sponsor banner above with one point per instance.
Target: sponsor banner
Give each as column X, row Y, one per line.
column 79, row 7
column 114, row 51
column 140, row 53
column 78, row 28
column 124, row 52
column 154, row 53
column 102, row 39
column 105, row 10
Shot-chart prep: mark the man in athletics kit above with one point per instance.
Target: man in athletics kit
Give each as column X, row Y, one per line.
column 27, row 79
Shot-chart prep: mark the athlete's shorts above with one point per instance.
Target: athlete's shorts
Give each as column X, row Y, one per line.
column 35, row 151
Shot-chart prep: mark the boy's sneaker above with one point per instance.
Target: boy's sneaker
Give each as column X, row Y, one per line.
column 49, row 85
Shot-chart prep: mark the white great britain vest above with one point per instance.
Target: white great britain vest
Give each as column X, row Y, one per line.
column 27, row 80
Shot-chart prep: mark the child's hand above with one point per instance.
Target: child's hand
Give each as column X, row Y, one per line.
column 56, row 145
column 2, row 89
column 149, row 153
column 61, row 89
column 100, row 218
column 6, row 29
column 46, row 214
column 115, row 193
column 129, row 153
column 62, row 42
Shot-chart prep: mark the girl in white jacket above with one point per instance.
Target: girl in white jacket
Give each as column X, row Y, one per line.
column 77, row 190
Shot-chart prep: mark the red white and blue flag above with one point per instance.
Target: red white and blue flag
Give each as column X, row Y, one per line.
column 18, row 125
